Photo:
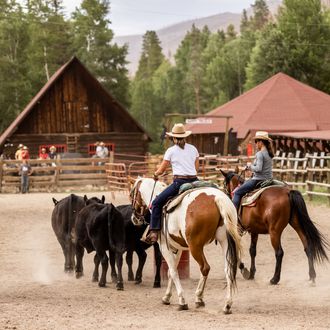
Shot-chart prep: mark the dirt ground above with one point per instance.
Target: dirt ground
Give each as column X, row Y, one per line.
column 35, row 293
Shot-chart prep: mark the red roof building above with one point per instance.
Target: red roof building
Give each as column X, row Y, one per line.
column 278, row 105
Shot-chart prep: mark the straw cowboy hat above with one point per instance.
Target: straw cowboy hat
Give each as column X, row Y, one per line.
column 25, row 148
column 262, row 135
column 178, row 131
column 20, row 146
column 52, row 148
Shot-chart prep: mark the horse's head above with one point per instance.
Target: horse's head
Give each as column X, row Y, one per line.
column 144, row 191
column 232, row 181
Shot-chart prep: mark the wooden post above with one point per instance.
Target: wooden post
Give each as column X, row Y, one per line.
column 57, row 172
column 226, row 140
column 1, row 172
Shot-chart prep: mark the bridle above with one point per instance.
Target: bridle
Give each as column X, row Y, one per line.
column 228, row 178
column 140, row 208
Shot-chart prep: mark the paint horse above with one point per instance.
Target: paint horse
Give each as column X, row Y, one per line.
column 275, row 208
column 204, row 215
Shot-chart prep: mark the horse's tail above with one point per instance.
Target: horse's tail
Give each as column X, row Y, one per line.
column 316, row 242
column 229, row 216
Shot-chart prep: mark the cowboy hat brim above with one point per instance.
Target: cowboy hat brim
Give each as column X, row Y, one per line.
column 262, row 137
column 182, row 135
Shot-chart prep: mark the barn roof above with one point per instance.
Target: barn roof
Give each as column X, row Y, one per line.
column 279, row 104
column 14, row 125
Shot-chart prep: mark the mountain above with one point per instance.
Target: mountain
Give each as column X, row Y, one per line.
column 172, row 35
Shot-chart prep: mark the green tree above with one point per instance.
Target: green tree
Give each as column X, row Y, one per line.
column 298, row 46
column 92, row 43
column 50, row 39
column 145, row 104
column 14, row 88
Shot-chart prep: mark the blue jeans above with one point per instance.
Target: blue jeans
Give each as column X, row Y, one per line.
column 24, row 184
column 162, row 198
column 242, row 190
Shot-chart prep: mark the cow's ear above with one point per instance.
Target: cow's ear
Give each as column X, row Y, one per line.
column 223, row 173
column 55, row 201
column 103, row 199
column 85, row 199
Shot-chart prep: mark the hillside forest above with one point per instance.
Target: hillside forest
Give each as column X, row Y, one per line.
column 207, row 70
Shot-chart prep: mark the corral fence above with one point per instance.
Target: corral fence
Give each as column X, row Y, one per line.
column 310, row 172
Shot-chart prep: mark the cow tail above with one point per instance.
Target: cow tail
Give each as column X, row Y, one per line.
column 116, row 230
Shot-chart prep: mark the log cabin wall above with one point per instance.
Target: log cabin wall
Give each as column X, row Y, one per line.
column 75, row 106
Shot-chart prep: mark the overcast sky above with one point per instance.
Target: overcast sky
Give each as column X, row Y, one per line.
column 137, row 16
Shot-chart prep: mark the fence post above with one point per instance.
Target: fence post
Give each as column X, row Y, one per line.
column 57, row 172
column 1, row 172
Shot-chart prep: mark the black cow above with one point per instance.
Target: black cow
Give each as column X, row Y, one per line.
column 100, row 228
column 63, row 222
column 133, row 243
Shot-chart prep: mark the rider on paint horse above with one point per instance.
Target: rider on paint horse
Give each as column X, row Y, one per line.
column 183, row 157
column 262, row 167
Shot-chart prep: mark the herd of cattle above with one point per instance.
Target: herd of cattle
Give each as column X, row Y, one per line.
column 80, row 223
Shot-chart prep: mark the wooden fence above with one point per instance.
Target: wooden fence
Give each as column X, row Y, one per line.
column 310, row 173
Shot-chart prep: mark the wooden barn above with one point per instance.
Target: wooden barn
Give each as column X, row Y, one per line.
column 73, row 111
column 280, row 105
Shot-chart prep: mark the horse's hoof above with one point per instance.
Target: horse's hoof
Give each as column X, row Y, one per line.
column 251, row 277
column 165, row 301
column 199, row 304
column 156, row 285
column 227, row 310
column 130, row 279
column 246, row 274
column 114, row 279
column 183, row 307
column 102, row 284
column 138, row 281
column 68, row 270
column 95, row 279
column 120, row 286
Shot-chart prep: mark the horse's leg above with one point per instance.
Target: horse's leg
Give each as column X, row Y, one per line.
column 158, row 260
column 295, row 225
column 172, row 261
column 142, row 256
column 105, row 264
column 253, row 253
column 79, row 258
column 129, row 262
column 221, row 236
column 275, row 239
column 119, row 262
column 95, row 277
column 112, row 257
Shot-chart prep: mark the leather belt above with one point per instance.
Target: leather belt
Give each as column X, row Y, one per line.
column 184, row 177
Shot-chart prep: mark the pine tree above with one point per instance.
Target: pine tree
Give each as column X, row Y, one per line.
column 92, row 43
column 14, row 88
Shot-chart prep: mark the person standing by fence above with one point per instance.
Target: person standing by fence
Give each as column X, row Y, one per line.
column 25, row 171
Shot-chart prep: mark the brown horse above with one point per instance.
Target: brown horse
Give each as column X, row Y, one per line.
column 275, row 208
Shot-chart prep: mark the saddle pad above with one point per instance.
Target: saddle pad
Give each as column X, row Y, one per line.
column 174, row 202
column 197, row 184
column 251, row 197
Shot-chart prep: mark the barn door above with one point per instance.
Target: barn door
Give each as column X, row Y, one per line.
column 72, row 143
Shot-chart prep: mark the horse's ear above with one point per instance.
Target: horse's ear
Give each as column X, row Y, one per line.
column 223, row 173
column 55, row 201
column 103, row 199
column 236, row 169
column 131, row 180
